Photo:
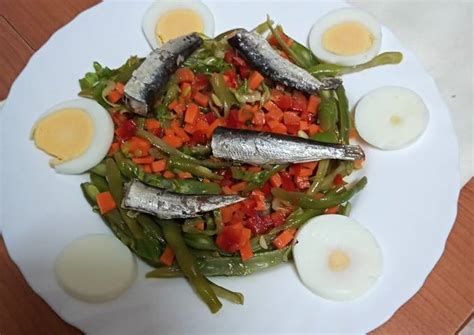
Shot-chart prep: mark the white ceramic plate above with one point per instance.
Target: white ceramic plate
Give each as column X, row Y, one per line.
column 409, row 203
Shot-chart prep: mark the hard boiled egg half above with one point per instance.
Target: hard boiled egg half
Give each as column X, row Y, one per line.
column 391, row 117
column 77, row 133
column 346, row 36
column 167, row 19
column 336, row 257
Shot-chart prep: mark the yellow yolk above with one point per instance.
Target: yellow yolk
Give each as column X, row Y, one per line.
column 347, row 39
column 338, row 261
column 64, row 134
column 176, row 23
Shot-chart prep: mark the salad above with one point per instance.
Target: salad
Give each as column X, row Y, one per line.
column 220, row 86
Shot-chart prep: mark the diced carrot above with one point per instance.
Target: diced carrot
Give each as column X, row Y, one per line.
column 173, row 140
column 227, row 190
column 352, row 133
column 191, row 113
column 168, row 174
column 185, row 90
column 332, row 210
column 239, row 187
column 254, row 169
column 184, row 175
column 173, row 104
column 152, row 124
column 313, row 104
column 169, row 132
column 291, row 118
column 189, row 128
column 202, row 126
column 167, row 257
column 199, row 225
column 273, row 41
column 139, row 146
column 114, row 96
column 216, row 123
column 258, row 118
column 259, row 198
column 147, row 168
column 180, row 133
column 303, row 172
column 113, row 149
column 284, row 238
column 277, row 127
column 106, row 202
column 201, row 99
column 358, row 164
column 158, row 166
column 313, row 129
column 255, row 80
column 304, row 125
column 143, row 160
column 119, row 87
column 309, row 165
column 245, row 114
column 246, row 251
column 228, row 211
column 275, row 180
column 246, row 234
column 274, row 112
column 184, row 74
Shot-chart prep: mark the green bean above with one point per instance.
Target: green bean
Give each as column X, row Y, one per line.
column 344, row 117
column 344, row 169
column 284, row 46
column 99, row 169
column 262, row 27
column 346, row 209
column 305, row 55
column 228, row 266
column 222, row 91
column 99, row 181
column 235, row 297
column 90, row 192
column 178, row 163
column 295, row 220
column 163, row 146
column 262, row 177
column 197, row 150
column 323, row 167
column 328, row 113
column 334, row 70
column 151, row 228
column 188, row 264
column 305, row 201
column 184, row 186
column 199, row 241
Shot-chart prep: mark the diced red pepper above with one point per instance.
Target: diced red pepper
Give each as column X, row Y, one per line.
column 126, row 130
column 299, row 103
column 184, row 74
column 244, row 71
column 302, row 182
column 231, row 238
column 201, row 82
column 283, row 100
column 209, row 117
column 338, row 180
column 230, row 78
column 287, row 182
column 233, row 119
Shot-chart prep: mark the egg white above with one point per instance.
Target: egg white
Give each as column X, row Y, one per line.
column 103, row 134
column 374, row 112
column 158, row 8
column 321, row 236
column 340, row 16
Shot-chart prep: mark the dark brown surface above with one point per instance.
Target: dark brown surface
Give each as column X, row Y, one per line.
column 440, row 307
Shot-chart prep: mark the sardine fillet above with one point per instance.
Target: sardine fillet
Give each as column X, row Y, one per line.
column 254, row 147
column 142, row 90
column 166, row 205
column 261, row 56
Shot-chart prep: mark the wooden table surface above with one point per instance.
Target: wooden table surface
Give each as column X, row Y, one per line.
column 442, row 306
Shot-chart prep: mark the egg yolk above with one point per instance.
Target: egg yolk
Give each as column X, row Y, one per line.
column 178, row 22
column 338, row 261
column 347, row 39
column 64, row 134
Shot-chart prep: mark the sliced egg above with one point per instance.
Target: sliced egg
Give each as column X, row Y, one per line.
column 95, row 268
column 336, row 257
column 77, row 133
column 346, row 36
column 166, row 20
column 391, row 117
